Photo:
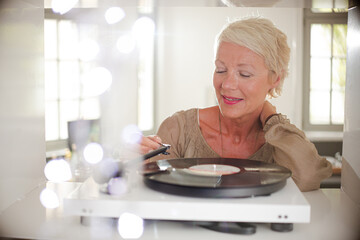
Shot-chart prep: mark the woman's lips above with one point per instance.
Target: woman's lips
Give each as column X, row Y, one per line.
column 231, row 100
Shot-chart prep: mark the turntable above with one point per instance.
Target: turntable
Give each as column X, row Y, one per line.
column 210, row 191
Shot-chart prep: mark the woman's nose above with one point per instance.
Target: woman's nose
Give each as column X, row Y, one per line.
column 229, row 82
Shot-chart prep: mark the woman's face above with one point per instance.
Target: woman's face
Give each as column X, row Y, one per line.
column 241, row 80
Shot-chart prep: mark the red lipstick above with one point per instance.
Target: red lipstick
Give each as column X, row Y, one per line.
column 231, row 100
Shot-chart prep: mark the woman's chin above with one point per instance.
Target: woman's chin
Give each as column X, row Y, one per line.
column 231, row 112
column 236, row 113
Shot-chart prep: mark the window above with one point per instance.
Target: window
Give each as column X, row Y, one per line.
column 325, row 67
column 65, row 96
column 68, row 96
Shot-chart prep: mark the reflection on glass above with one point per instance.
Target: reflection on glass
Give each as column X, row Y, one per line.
column 320, row 74
column 319, row 107
column 320, row 40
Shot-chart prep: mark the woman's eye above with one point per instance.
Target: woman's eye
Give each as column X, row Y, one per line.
column 220, row 71
column 245, row 75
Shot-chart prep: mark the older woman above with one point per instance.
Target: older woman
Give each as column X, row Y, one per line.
column 251, row 63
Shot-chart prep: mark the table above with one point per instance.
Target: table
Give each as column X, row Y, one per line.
column 333, row 216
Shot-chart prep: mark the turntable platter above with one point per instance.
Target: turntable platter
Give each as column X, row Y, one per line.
column 215, row 177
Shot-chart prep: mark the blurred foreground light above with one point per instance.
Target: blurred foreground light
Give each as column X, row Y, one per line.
column 93, row 153
column 58, row 170
column 117, row 186
column 88, row 50
column 114, row 15
column 49, row 198
column 131, row 134
column 106, row 169
column 96, row 81
column 143, row 29
column 125, row 44
column 130, row 226
column 63, row 6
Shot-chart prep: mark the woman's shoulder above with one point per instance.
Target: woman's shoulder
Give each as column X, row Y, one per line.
column 209, row 116
column 190, row 118
column 181, row 118
column 195, row 115
column 180, row 126
column 188, row 112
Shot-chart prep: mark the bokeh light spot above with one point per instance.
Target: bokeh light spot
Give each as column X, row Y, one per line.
column 143, row 29
column 125, row 44
column 58, row 170
column 88, row 50
column 96, row 81
column 63, row 6
column 131, row 134
column 130, row 226
column 49, row 198
column 114, row 15
column 117, row 186
column 93, row 153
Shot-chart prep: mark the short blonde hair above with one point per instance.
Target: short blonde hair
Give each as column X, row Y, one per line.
column 262, row 37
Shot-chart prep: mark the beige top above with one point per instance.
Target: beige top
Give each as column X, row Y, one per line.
column 285, row 145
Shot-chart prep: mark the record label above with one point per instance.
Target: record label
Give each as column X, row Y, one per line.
column 213, row 169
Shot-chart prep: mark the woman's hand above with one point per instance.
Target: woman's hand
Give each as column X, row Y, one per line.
column 267, row 111
column 149, row 143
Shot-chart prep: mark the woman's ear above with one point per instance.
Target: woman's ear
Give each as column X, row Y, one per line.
column 276, row 80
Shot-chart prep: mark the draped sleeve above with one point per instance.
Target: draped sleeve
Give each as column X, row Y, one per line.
column 293, row 150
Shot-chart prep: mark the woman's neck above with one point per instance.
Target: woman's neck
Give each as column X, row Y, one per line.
column 240, row 129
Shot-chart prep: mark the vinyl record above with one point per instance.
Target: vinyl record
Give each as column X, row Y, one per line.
column 215, row 177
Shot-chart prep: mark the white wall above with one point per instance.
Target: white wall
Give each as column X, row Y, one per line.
column 22, row 134
column 185, row 56
column 350, row 177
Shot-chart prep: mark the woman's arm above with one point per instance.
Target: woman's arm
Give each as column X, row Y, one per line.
column 169, row 132
column 293, row 150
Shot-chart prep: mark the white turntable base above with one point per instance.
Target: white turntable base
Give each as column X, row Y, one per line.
column 287, row 205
